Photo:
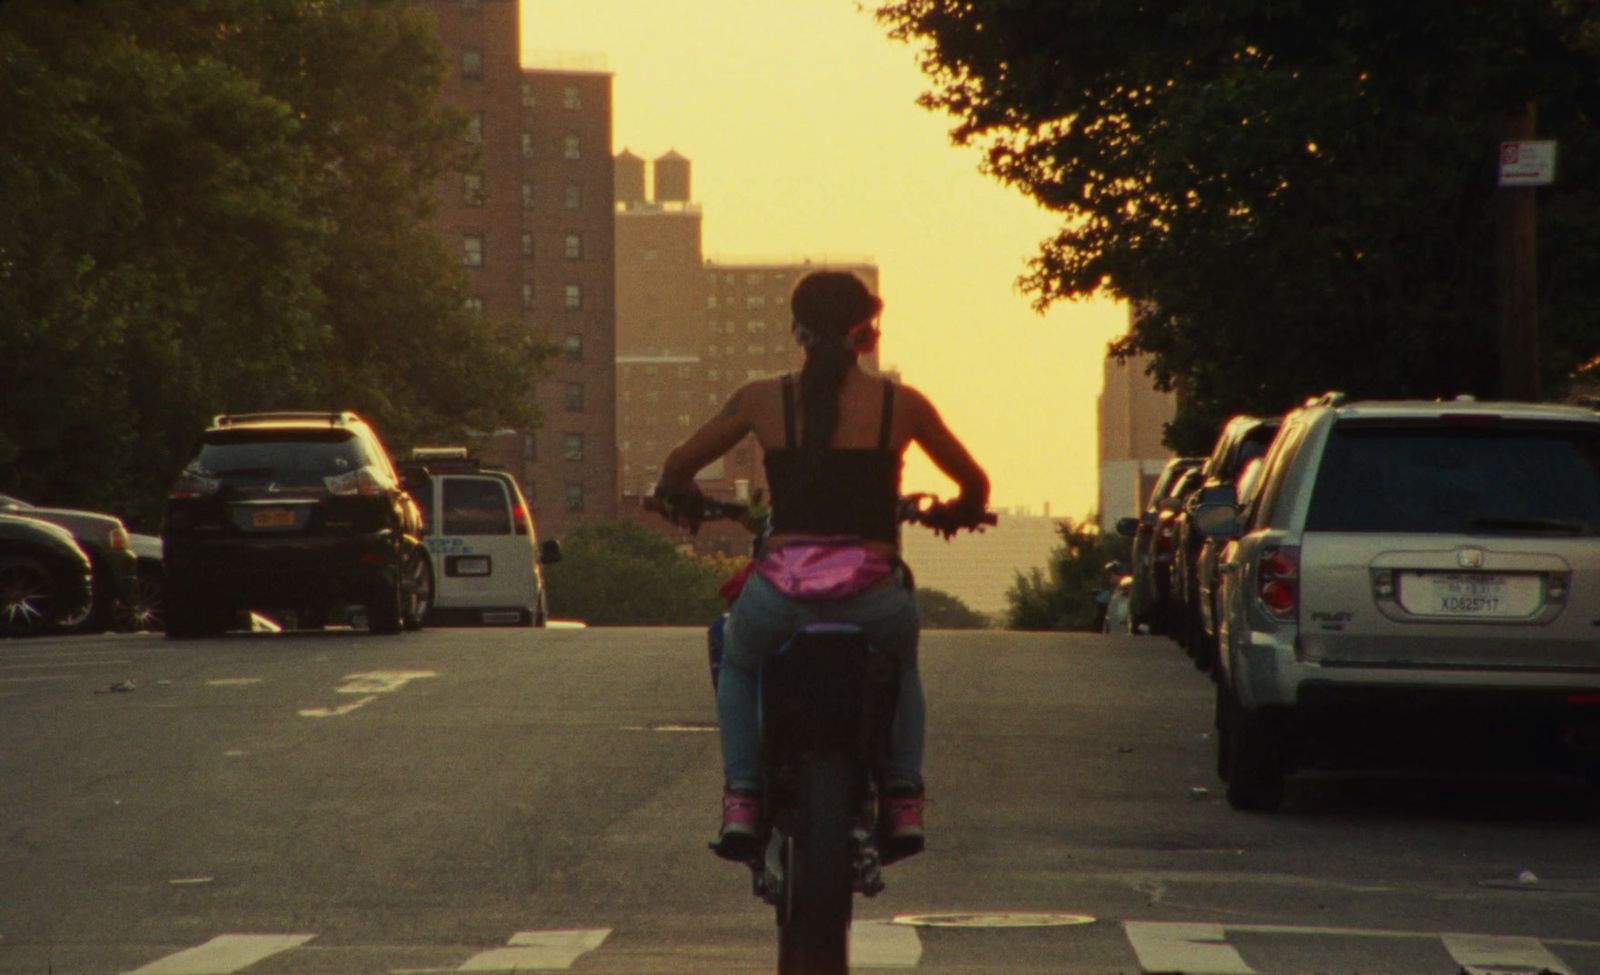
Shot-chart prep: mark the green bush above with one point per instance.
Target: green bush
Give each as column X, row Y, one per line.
column 941, row 611
column 1063, row 597
column 623, row 574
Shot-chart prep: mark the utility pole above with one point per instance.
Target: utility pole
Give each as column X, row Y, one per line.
column 1517, row 252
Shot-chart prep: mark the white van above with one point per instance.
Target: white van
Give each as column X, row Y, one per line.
column 483, row 550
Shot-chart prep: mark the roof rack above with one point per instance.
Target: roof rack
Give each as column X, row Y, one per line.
column 439, row 453
column 1330, row 398
column 333, row 418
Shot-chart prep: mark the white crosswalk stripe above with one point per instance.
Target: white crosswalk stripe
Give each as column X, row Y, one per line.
column 223, row 954
column 538, row 951
column 1483, row 955
column 1195, row 949
column 883, row 944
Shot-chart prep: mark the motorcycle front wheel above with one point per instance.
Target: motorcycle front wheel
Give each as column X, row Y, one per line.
column 814, row 921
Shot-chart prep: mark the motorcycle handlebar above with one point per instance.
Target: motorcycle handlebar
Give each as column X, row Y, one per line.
column 943, row 517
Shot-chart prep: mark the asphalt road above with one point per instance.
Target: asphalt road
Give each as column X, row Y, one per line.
column 504, row 799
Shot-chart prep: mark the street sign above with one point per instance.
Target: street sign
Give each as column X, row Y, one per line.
column 1527, row 163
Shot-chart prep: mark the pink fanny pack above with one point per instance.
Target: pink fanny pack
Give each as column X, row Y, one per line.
column 823, row 568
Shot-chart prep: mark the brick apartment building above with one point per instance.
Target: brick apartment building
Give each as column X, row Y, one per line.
column 534, row 226
column 689, row 331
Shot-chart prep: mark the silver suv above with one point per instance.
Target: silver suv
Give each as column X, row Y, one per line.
column 1411, row 579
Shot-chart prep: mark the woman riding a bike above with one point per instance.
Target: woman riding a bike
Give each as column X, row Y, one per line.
column 833, row 441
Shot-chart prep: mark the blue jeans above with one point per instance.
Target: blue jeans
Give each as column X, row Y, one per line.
column 762, row 619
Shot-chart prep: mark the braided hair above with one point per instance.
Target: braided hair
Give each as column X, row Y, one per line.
column 829, row 309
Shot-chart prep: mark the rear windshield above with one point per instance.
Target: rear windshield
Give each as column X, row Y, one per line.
column 475, row 506
column 1500, row 479
column 298, row 457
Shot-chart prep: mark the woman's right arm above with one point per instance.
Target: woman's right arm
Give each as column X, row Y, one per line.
column 929, row 432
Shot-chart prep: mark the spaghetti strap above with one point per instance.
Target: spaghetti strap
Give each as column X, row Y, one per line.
column 788, row 412
column 888, row 415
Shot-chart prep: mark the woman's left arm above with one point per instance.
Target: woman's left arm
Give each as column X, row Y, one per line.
column 715, row 437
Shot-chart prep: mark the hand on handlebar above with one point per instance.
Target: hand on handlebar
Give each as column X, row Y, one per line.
column 684, row 506
column 945, row 517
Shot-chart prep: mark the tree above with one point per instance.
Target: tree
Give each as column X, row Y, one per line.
column 623, row 574
column 1293, row 196
column 222, row 205
column 1062, row 596
column 939, row 610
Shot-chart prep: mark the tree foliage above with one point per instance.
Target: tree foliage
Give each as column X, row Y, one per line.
column 1294, row 196
column 218, row 205
column 1062, row 595
column 622, row 574
column 939, row 610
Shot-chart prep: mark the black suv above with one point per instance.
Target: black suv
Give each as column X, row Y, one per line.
column 296, row 512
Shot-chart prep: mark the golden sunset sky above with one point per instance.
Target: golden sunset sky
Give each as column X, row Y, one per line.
column 800, row 119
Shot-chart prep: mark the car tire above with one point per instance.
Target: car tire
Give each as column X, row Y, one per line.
column 1250, row 756
column 27, row 596
column 417, row 591
column 383, row 610
column 147, row 611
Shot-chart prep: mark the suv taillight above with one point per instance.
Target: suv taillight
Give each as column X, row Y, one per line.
column 191, row 484
column 360, row 481
column 1278, row 580
column 119, row 539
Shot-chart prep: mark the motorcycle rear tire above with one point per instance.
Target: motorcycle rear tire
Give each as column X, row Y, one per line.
column 814, row 927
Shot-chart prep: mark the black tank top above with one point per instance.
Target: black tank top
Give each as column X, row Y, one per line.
column 855, row 491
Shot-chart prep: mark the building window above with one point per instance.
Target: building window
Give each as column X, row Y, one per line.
column 527, row 245
column 472, row 250
column 475, row 128
column 574, row 497
column 573, row 296
column 471, row 6
column 574, row 247
column 472, row 62
column 573, row 199
column 530, row 491
column 574, row 397
column 530, row 450
column 570, row 99
column 527, row 196
column 527, row 294
column 475, row 304
column 472, row 189
column 569, row 148
column 528, row 101
column 573, row 447
column 527, row 145
column 573, row 347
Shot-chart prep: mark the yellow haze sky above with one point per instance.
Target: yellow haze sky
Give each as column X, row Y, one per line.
column 800, row 120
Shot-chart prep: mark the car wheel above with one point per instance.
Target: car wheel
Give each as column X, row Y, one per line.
column 417, row 591
column 27, row 591
column 145, row 612
column 1251, row 758
column 383, row 611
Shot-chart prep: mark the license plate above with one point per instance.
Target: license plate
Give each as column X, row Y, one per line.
column 472, row 565
column 273, row 518
column 1470, row 595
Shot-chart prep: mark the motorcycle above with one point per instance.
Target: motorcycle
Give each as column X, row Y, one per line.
column 827, row 702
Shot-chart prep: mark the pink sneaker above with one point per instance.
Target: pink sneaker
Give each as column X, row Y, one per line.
column 902, row 825
column 741, row 826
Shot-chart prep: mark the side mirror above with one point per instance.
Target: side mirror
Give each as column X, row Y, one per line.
column 549, row 552
column 1217, row 520
column 414, row 479
column 1127, row 527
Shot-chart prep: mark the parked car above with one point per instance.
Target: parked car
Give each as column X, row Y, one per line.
column 1147, row 596
column 296, row 512
column 484, row 554
column 1164, row 550
column 1415, row 581
column 46, row 578
column 1242, row 438
column 105, row 539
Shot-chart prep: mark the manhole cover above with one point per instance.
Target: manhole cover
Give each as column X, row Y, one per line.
column 1005, row 920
